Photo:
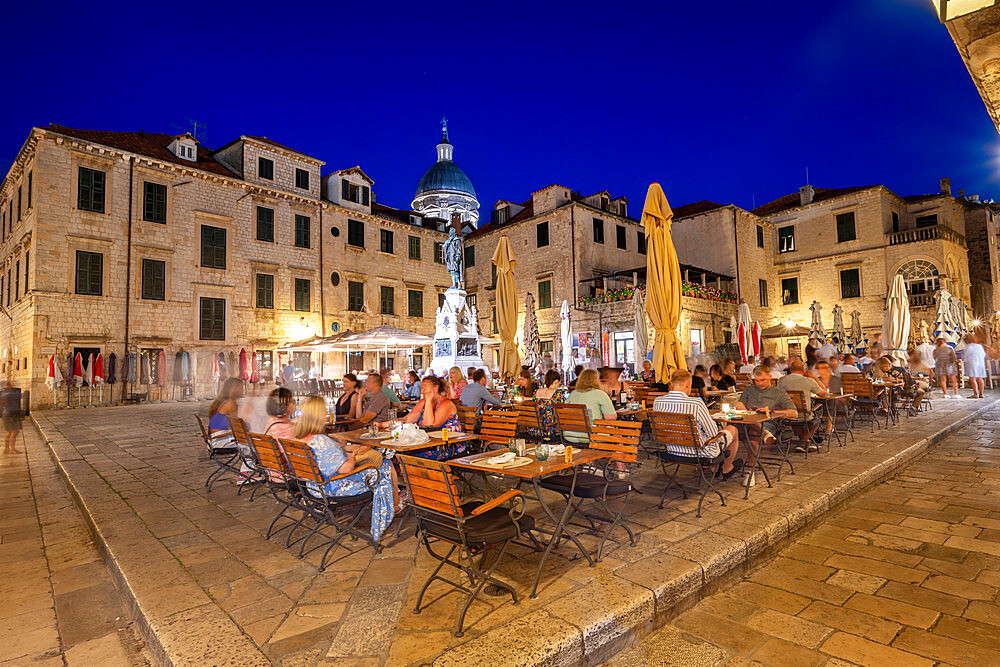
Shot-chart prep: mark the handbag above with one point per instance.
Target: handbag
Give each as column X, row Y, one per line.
column 372, row 457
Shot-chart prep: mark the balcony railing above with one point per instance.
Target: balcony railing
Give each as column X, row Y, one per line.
column 687, row 289
column 932, row 233
column 921, row 300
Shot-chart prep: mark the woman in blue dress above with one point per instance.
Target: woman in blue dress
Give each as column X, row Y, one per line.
column 333, row 459
column 435, row 411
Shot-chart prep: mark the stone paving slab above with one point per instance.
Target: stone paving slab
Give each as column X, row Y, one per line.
column 873, row 583
column 205, row 583
column 59, row 604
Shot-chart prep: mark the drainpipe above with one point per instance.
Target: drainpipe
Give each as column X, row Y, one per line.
column 128, row 264
column 572, row 254
column 322, row 298
column 736, row 246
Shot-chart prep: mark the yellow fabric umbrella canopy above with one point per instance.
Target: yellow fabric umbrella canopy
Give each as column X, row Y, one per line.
column 510, row 360
column 663, row 284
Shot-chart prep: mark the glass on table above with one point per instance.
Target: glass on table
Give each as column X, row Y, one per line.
column 541, row 451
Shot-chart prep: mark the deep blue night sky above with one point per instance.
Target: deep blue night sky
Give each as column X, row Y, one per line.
column 726, row 100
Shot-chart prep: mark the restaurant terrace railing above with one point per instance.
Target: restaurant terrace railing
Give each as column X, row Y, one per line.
column 932, row 233
column 687, row 289
column 921, row 300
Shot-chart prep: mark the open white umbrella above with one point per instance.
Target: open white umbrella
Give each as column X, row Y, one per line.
column 566, row 334
column 532, row 347
column 816, row 329
column 640, row 335
column 838, row 334
column 896, row 322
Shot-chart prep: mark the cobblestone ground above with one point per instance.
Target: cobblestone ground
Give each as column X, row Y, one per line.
column 906, row 574
column 59, row 606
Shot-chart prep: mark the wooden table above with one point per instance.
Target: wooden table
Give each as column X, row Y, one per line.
column 831, row 407
column 534, row 472
column 752, row 419
column 349, row 422
column 354, row 438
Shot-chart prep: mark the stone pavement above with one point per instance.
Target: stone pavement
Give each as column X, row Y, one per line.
column 205, row 586
column 906, row 574
column 59, row 605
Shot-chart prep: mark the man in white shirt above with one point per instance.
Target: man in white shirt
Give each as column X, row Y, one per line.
column 746, row 368
column 848, row 365
column 826, row 350
column 313, row 372
column 926, row 352
column 679, row 400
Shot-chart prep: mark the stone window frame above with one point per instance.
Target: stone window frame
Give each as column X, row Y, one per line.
column 257, row 275
column 837, row 225
column 410, row 292
column 841, row 269
column 410, row 247
column 83, row 160
column 146, row 186
column 299, row 172
column 384, row 235
column 258, row 208
column 382, row 300
column 297, row 282
column 542, row 233
column 786, row 248
column 260, row 163
column 87, row 244
column 782, row 280
column 296, row 219
column 621, row 237
column 361, row 296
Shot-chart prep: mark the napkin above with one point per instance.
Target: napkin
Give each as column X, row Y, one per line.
column 506, row 457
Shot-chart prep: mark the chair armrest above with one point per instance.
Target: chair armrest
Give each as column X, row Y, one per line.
column 487, row 506
column 334, row 478
column 218, row 434
column 715, row 437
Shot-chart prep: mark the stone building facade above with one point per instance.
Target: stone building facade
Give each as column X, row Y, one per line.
column 571, row 247
column 115, row 241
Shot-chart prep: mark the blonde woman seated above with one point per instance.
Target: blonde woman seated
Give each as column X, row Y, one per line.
column 589, row 392
column 333, row 459
column 456, row 383
column 434, row 411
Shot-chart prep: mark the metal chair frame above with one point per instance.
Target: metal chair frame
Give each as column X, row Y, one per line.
column 678, row 429
column 441, row 518
column 223, row 457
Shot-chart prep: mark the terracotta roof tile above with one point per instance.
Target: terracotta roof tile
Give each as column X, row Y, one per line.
column 792, row 200
column 695, row 208
column 150, row 144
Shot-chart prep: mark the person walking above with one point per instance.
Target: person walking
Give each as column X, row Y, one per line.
column 12, row 417
column 975, row 365
column 944, row 366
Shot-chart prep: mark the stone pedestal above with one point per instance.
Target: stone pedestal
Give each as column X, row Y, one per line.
column 456, row 335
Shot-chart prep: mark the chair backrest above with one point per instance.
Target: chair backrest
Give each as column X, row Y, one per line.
column 799, row 399
column 676, row 429
column 467, row 418
column 499, row 424
column 572, row 417
column 204, row 431
column 618, row 436
column 742, row 384
column 268, row 455
column 241, row 434
column 639, row 392
column 857, row 384
column 431, row 485
column 653, row 395
column 302, row 461
column 527, row 414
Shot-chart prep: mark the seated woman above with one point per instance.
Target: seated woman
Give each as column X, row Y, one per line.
column 333, row 460
column 525, row 385
column 280, row 407
column 411, row 388
column 553, row 392
column 456, row 383
column 588, row 392
column 347, row 403
column 222, row 408
column 434, row 411
column 647, row 374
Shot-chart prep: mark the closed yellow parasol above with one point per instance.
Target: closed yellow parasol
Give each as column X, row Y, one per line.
column 663, row 284
column 510, row 360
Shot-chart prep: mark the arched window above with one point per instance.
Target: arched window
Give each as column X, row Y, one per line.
column 921, row 277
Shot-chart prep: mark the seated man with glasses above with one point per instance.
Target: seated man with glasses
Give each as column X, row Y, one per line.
column 761, row 397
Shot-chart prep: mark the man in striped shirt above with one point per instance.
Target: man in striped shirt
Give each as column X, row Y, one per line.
column 679, row 401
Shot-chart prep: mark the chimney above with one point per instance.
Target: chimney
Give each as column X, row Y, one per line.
column 806, row 194
column 945, row 184
column 456, row 222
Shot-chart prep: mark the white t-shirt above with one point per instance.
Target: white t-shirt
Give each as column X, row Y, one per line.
column 926, row 352
column 313, row 373
column 846, row 368
column 826, row 351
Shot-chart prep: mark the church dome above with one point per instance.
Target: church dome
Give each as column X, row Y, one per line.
column 445, row 175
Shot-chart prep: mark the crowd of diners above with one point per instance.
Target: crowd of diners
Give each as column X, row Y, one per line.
column 430, row 402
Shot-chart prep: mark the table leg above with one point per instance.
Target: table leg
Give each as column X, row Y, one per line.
column 559, row 530
column 756, row 458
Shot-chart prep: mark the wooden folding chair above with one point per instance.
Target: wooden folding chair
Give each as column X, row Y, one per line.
column 324, row 507
column 224, row 457
column 250, row 469
column 610, row 482
column 575, row 418
column 676, row 435
column 467, row 418
column 473, row 529
column 866, row 398
column 527, row 416
column 498, row 427
column 273, row 463
column 808, row 418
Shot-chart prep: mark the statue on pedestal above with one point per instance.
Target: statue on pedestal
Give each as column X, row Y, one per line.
column 452, row 251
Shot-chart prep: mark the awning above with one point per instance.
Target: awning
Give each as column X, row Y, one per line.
column 382, row 338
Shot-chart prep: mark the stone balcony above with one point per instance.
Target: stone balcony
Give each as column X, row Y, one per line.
column 932, row 233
